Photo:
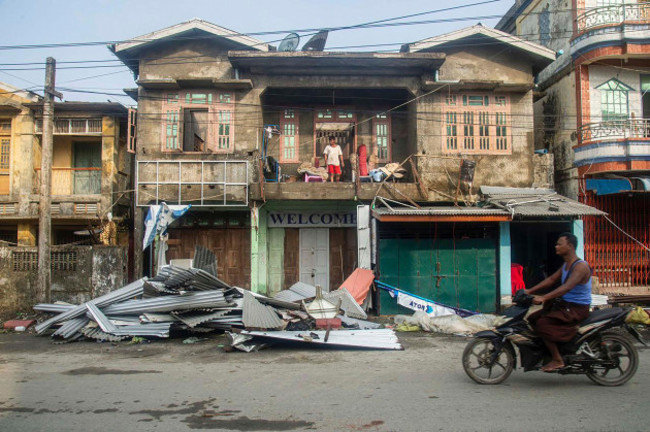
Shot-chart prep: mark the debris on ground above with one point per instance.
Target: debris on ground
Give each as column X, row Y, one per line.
column 18, row 324
column 449, row 324
column 184, row 301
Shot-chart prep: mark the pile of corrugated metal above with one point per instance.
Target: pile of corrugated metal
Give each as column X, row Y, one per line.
column 180, row 301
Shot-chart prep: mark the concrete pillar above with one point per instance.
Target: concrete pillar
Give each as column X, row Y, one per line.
column 578, row 230
column 505, row 258
column 259, row 248
column 110, row 135
column 26, row 234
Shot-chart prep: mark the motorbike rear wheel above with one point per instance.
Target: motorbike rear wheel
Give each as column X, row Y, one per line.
column 619, row 349
column 479, row 366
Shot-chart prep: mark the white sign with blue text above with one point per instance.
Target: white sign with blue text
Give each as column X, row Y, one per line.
column 312, row 219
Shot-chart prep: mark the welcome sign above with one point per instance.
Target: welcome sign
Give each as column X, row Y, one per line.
column 312, row 219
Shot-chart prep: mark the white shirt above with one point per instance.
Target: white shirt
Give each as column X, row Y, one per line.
column 332, row 154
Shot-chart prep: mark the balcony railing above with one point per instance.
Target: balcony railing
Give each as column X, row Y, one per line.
column 616, row 129
column 73, row 126
column 72, row 181
column 613, row 14
column 218, row 183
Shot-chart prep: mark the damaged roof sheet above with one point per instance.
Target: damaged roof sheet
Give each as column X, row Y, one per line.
column 257, row 315
column 131, row 290
column 348, row 303
column 383, row 339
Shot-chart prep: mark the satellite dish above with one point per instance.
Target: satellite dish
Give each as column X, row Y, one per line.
column 290, row 42
column 317, row 42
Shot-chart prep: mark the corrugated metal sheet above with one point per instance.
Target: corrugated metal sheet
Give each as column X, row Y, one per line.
column 441, row 211
column 496, row 190
column 384, row 339
column 70, row 327
column 97, row 334
column 257, row 315
column 348, row 303
column 193, row 319
column 278, row 302
column 205, row 259
column 131, row 290
column 196, row 300
column 545, row 206
column 511, row 205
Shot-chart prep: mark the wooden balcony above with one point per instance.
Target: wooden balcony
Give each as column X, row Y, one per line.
column 73, row 126
column 71, row 181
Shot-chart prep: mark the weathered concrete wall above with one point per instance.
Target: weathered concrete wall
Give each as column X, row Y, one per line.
column 486, row 63
column 17, row 289
column 99, row 270
column 543, row 171
column 548, row 23
column 109, row 269
column 555, row 119
column 186, row 59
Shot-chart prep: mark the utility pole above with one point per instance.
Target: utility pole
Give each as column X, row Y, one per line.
column 43, row 293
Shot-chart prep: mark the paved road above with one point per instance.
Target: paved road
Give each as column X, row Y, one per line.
column 168, row 386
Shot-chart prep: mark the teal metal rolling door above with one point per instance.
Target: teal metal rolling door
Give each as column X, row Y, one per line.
column 460, row 273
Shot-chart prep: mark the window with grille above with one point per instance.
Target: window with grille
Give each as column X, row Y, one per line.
column 476, row 123
column 451, row 119
column 24, row 261
column 614, row 100
column 382, row 136
column 198, row 121
column 131, row 131
column 5, row 155
column 290, row 137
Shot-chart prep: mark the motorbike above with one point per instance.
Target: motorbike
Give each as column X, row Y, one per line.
column 602, row 348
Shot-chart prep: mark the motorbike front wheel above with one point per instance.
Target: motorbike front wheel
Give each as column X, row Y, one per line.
column 619, row 356
column 481, row 365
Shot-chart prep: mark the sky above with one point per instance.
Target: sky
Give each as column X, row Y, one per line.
column 96, row 69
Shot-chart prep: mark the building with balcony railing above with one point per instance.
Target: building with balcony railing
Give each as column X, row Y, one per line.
column 91, row 176
column 241, row 136
column 91, row 170
column 593, row 106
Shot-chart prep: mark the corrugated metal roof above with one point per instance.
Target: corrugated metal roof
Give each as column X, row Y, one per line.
column 442, row 211
column 498, row 190
column 545, row 206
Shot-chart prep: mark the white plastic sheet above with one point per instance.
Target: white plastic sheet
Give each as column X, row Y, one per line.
column 451, row 324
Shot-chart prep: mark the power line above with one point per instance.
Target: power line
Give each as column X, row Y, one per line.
column 372, row 24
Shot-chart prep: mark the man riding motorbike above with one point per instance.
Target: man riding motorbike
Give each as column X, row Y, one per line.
column 565, row 306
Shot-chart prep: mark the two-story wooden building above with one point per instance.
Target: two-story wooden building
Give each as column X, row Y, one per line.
column 237, row 128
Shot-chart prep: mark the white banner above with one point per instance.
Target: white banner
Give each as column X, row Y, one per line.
column 417, row 304
column 312, row 219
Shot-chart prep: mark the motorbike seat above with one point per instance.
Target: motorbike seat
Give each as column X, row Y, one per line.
column 602, row 315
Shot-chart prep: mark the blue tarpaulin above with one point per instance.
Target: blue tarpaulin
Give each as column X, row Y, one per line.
column 608, row 186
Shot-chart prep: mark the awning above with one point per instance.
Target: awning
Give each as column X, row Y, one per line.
column 528, row 203
column 608, row 186
column 441, row 214
column 499, row 204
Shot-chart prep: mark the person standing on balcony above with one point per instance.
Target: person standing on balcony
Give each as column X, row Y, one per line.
column 334, row 159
